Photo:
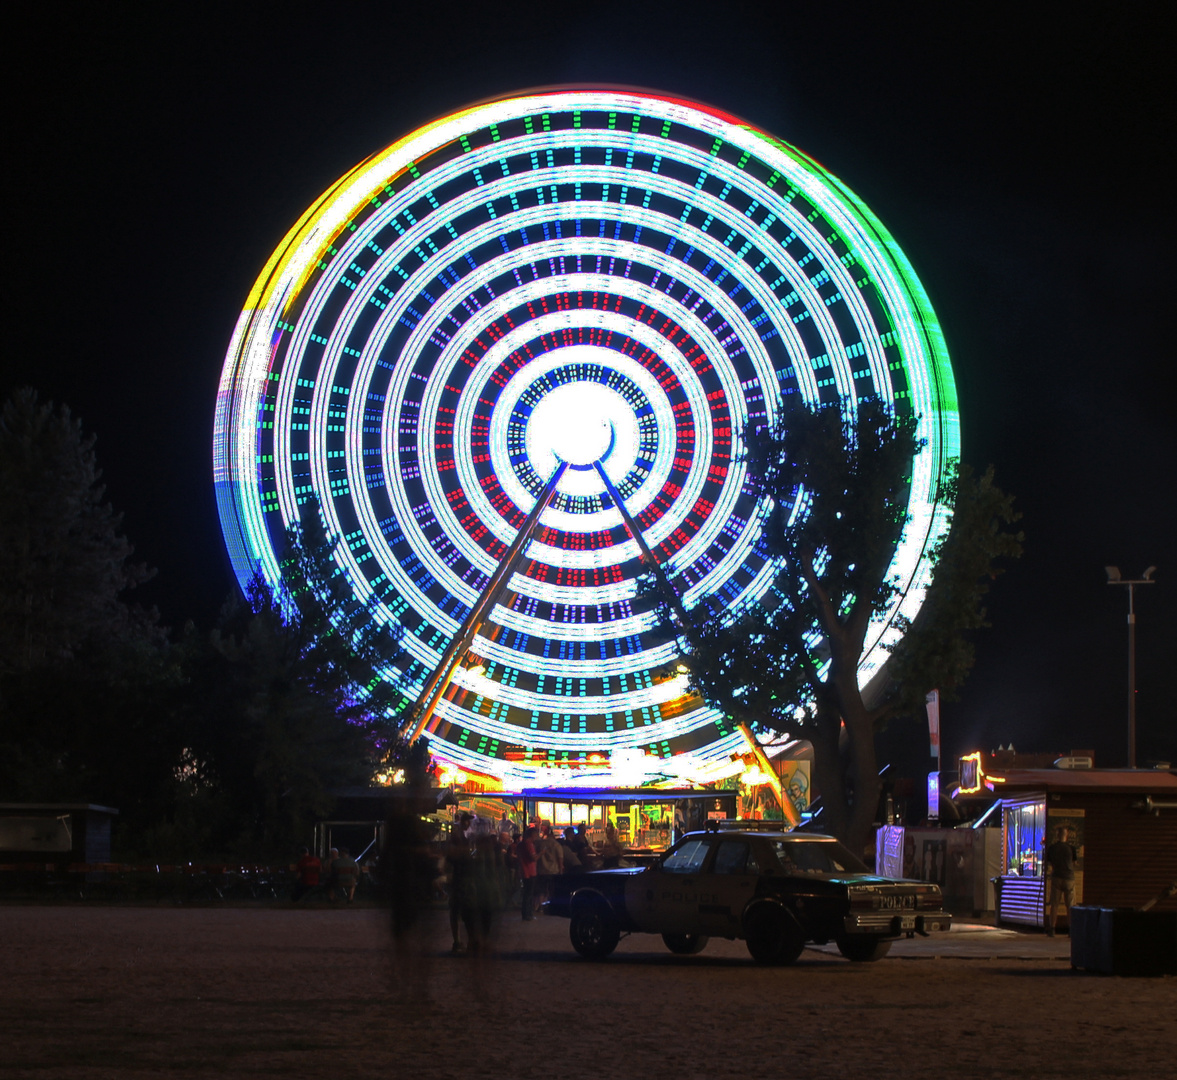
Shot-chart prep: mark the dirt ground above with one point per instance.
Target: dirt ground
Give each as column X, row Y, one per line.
column 95, row 992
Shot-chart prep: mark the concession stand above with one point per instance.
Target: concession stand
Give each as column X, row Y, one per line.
column 1123, row 821
column 647, row 820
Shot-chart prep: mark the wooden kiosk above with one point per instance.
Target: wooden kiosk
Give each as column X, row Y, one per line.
column 1124, row 822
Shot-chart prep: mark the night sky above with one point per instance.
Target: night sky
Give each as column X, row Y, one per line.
column 154, row 158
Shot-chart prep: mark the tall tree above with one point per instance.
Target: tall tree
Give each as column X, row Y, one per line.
column 293, row 698
column 64, row 562
column 937, row 652
column 834, row 496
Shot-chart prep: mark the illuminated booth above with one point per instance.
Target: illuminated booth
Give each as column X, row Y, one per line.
column 511, row 358
column 1124, row 822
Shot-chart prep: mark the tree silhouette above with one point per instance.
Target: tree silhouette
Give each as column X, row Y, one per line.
column 64, row 563
column 834, row 494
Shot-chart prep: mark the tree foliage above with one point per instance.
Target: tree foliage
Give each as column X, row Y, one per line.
column 64, row 562
column 295, row 700
column 834, row 494
column 88, row 684
column 221, row 743
column 938, row 651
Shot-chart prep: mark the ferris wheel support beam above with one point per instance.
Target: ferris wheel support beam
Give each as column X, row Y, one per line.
column 649, row 558
column 443, row 674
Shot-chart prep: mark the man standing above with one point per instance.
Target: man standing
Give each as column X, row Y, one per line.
column 1061, row 857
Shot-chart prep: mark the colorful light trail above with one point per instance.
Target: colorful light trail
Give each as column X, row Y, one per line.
column 589, row 276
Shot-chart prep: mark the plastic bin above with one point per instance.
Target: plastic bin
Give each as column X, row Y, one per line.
column 1124, row 941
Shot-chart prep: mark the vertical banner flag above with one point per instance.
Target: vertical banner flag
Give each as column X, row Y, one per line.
column 933, row 702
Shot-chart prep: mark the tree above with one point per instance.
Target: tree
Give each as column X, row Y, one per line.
column 834, row 496
column 292, row 699
column 937, row 652
column 346, row 651
column 86, row 682
column 64, row 563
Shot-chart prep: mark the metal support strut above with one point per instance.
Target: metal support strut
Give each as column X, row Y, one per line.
column 443, row 673
column 754, row 747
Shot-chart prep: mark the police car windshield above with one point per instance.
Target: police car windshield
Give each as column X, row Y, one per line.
column 816, row 858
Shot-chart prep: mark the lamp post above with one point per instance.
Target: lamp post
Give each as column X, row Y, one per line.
column 1114, row 578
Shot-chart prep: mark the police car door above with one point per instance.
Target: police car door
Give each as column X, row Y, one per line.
column 727, row 888
column 664, row 899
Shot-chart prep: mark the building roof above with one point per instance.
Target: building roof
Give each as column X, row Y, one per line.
column 1142, row 781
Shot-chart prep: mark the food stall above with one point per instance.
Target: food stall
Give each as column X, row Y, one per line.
column 647, row 820
column 1123, row 821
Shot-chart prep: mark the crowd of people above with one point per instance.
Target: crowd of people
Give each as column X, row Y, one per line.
column 342, row 874
column 493, row 866
column 486, row 867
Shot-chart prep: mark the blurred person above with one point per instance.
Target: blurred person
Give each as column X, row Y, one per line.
column 346, row 874
column 457, row 861
column 332, row 879
column 408, row 868
column 482, row 894
column 526, row 856
column 611, row 850
column 572, row 860
column 309, row 868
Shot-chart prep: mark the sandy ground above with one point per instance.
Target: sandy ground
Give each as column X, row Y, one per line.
column 94, row 992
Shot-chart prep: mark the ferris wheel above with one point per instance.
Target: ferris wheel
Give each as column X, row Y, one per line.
column 512, row 357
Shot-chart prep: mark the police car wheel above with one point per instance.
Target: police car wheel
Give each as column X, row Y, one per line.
column 593, row 931
column 772, row 936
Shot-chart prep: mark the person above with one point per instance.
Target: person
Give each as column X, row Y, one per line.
column 572, row 860
column 525, row 856
column 345, row 874
column 332, row 878
column 407, row 867
column 482, row 894
column 549, row 855
column 457, row 859
column 510, row 867
column 1061, row 857
column 309, row 867
column 612, row 847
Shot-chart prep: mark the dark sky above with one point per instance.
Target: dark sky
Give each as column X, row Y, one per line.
column 155, row 156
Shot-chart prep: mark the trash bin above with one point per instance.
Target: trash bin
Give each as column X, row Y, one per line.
column 1124, row 941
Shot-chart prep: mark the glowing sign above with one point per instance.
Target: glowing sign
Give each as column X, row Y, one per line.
column 971, row 775
column 597, row 277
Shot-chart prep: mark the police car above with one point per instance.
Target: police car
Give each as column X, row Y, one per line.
column 775, row 890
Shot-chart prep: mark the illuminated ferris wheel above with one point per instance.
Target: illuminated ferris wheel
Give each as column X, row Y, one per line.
column 512, row 357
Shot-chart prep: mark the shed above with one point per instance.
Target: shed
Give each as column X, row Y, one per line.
column 43, row 833
column 1124, row 822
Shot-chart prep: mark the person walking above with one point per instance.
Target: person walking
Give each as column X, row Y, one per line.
column 458, row 858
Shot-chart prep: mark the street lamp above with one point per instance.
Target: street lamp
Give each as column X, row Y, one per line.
column 1114, row 578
